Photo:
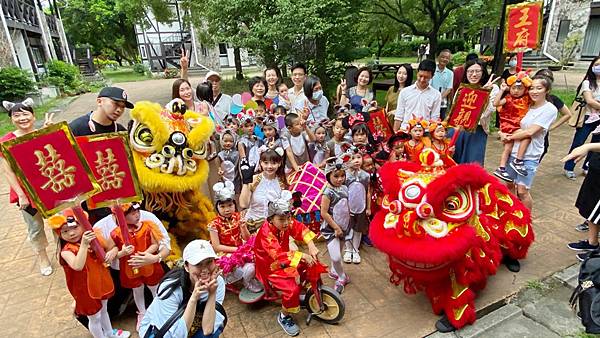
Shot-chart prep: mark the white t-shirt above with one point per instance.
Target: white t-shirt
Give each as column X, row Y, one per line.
column 108, row 224
column 543, row 116
column 420, row 103
column 585, row 87
column 223, row 106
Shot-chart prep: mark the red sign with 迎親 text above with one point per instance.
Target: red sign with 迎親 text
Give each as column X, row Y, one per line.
column 109, row 157
column 523, row 27
column 51, row 168
column 469, row 103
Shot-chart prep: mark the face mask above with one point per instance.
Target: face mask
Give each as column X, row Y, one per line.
column 317, row 95
column 596, row 70
column 512, row 63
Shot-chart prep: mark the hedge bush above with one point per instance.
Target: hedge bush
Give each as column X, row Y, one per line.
column 15, row 84
column 65, row 76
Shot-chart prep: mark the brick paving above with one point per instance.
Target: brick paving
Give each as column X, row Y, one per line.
column 36, row 306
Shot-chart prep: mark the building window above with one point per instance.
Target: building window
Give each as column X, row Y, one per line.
column 563, row 30
column 37, row 56
column 222, row 49
column 143, row 51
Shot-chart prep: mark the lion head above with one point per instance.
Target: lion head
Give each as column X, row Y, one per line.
column 169, row 146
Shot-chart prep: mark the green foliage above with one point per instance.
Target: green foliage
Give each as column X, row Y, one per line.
column 124, row 74
column 570, row 47
column 106, row 25
column 103, row 63
column 459, row 58
column 65, row 76
column 140, row 68
column 284, row 31
column 171, row 73
column 15, row 84
column 535, row 285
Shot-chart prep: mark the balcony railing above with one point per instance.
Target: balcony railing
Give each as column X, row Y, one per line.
column 51, row 21
column 20, row 11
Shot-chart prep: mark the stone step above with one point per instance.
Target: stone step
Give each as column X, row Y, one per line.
column 568, row 276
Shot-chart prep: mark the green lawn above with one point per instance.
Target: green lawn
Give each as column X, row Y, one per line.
column 124, row 74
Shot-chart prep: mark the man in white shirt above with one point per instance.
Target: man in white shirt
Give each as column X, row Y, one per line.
column 443, row 79
column 221, row 102
column 419, row 100
column 296, row 93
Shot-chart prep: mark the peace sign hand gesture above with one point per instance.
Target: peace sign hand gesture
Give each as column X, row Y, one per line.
column 48, row 119
column 184, row 61
column 491, row 81
column 343, row 85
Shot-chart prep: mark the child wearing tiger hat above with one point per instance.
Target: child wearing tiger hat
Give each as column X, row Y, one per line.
column 88, row 279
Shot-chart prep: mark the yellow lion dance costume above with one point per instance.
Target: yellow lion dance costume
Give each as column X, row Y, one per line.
column 169, row 150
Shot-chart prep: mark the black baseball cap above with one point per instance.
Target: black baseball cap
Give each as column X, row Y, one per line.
column 116, row 94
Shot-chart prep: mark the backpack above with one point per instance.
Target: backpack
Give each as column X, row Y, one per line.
column 586, row 295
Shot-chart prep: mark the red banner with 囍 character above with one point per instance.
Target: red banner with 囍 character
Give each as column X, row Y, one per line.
column 523, row 26
column 469, row 103
column 378, row 124
column 51, row 168
column 109, row 157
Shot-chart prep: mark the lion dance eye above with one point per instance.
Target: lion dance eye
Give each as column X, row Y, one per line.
column 459, row 205
column 143, row 136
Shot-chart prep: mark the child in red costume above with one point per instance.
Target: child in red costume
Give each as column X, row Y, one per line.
column 511, row 110
column 88, row 279
column 418, row 141
column 440, row 143
column 228, row 233
column 276, row 265
column 144, row 237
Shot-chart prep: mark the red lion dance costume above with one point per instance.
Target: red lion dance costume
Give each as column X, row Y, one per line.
column 445, row 231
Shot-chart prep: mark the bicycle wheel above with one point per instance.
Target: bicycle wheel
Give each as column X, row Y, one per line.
column 333, row 305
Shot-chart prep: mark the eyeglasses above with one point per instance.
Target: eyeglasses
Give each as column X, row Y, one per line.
column 474, row 71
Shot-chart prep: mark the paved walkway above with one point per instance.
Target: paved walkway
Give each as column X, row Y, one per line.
column 36, row 306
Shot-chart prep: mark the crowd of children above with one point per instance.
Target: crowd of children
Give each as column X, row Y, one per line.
column 258, row 150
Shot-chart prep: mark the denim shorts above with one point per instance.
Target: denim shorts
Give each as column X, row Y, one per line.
column 527, row 181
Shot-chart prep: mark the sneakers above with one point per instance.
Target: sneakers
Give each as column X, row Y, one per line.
column 341, row 283
column 46, row 271
column 581, row 246
column 288, row 325
column 518, row 166
column 443, row 325
column 347, row 256
column 117, row 333
column 502, row 174
column 582, row 256
column 356, row 257
column 333, row 275
column 570, row 175
column 140, row 316
column 583, row 227
column 511, row 264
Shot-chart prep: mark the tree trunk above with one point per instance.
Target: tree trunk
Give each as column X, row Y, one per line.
column 320, row 60
column 283, row 69
column 433, row 44
column 239, row 75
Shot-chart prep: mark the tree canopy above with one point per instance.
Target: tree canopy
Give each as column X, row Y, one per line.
column 105, row 25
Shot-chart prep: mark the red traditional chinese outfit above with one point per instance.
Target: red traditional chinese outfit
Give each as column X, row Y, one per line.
column 141, row 239
column 512, row 112
column 444, row 152
column 413, row 151
column 90, row 285
column 227, row 229
column 276, row 265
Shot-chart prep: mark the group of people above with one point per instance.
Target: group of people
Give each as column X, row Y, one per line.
column 256, row 150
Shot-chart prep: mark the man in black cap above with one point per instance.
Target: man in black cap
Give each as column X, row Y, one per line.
column 111, row 104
